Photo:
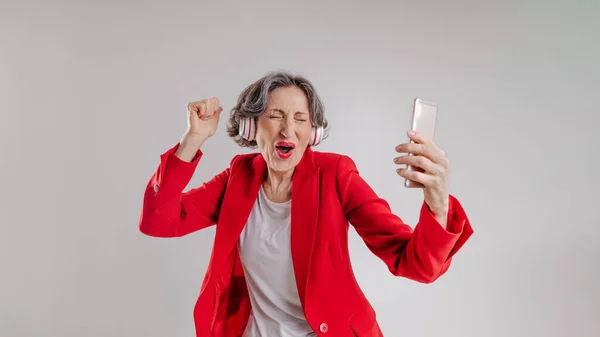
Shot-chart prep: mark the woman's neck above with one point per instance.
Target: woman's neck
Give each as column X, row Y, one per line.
column 278, row 185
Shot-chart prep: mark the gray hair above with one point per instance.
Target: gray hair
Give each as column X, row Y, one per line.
column 253, row 100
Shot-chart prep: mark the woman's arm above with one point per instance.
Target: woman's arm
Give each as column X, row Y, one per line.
column 167, row 211
column 422, row 254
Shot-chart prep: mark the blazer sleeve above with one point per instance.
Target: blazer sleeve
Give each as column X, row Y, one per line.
column 422, row 254
column 167, row 211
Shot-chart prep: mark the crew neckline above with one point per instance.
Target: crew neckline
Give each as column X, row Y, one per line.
column 264, row 196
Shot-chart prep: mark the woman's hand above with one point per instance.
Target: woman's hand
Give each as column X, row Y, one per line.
column 203, row 119
column 424, row 154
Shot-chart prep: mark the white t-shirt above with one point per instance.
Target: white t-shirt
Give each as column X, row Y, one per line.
column 264, row 246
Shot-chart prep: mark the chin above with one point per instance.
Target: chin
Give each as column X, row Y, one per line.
column 278, row 164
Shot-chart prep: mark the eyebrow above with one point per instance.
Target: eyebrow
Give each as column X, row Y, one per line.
column 283, row 112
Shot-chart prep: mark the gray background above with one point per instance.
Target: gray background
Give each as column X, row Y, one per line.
column 92, row 93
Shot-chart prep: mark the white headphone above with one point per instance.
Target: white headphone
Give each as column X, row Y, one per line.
column 247, row 130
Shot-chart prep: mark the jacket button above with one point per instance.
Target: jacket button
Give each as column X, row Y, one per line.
column 156, row 188
column 323, row 327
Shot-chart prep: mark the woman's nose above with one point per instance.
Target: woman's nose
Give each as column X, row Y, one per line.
column 287, row 128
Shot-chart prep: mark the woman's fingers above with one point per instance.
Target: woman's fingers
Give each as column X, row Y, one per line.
column 427, row 180
column 419, row 161
column 423, row 147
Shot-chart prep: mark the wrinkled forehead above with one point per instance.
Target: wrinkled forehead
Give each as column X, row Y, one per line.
column 288, row 100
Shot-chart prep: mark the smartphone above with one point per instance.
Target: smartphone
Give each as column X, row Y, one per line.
column 423, row 120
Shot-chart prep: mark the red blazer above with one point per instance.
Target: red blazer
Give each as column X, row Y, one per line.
column 328, row 194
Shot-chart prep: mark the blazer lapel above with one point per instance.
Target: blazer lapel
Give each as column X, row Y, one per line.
column 239, row 198
column 304, row 217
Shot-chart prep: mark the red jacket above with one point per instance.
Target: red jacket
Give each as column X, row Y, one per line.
column 328, row 194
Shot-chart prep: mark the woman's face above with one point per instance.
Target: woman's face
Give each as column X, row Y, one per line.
column 283, row 130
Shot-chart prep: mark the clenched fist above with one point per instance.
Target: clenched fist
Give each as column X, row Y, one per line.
column 203, row 119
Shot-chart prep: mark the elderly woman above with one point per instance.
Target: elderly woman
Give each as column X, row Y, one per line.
column 280, row 265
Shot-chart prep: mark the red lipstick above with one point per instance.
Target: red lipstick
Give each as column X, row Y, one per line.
column 284, row 149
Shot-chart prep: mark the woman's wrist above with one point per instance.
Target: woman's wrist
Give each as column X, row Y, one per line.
column 440, row 213
column 188, row 147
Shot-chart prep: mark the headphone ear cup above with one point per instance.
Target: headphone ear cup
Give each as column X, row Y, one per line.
column 316, row 135
column 247, row 128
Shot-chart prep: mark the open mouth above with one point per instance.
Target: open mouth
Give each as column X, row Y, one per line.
column 284, row 149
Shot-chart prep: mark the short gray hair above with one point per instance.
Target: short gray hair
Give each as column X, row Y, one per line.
column 252, row 102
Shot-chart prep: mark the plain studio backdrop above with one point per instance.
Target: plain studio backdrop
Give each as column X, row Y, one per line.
column 92, row 93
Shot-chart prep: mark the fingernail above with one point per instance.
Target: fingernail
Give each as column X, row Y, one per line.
column 411, row 133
